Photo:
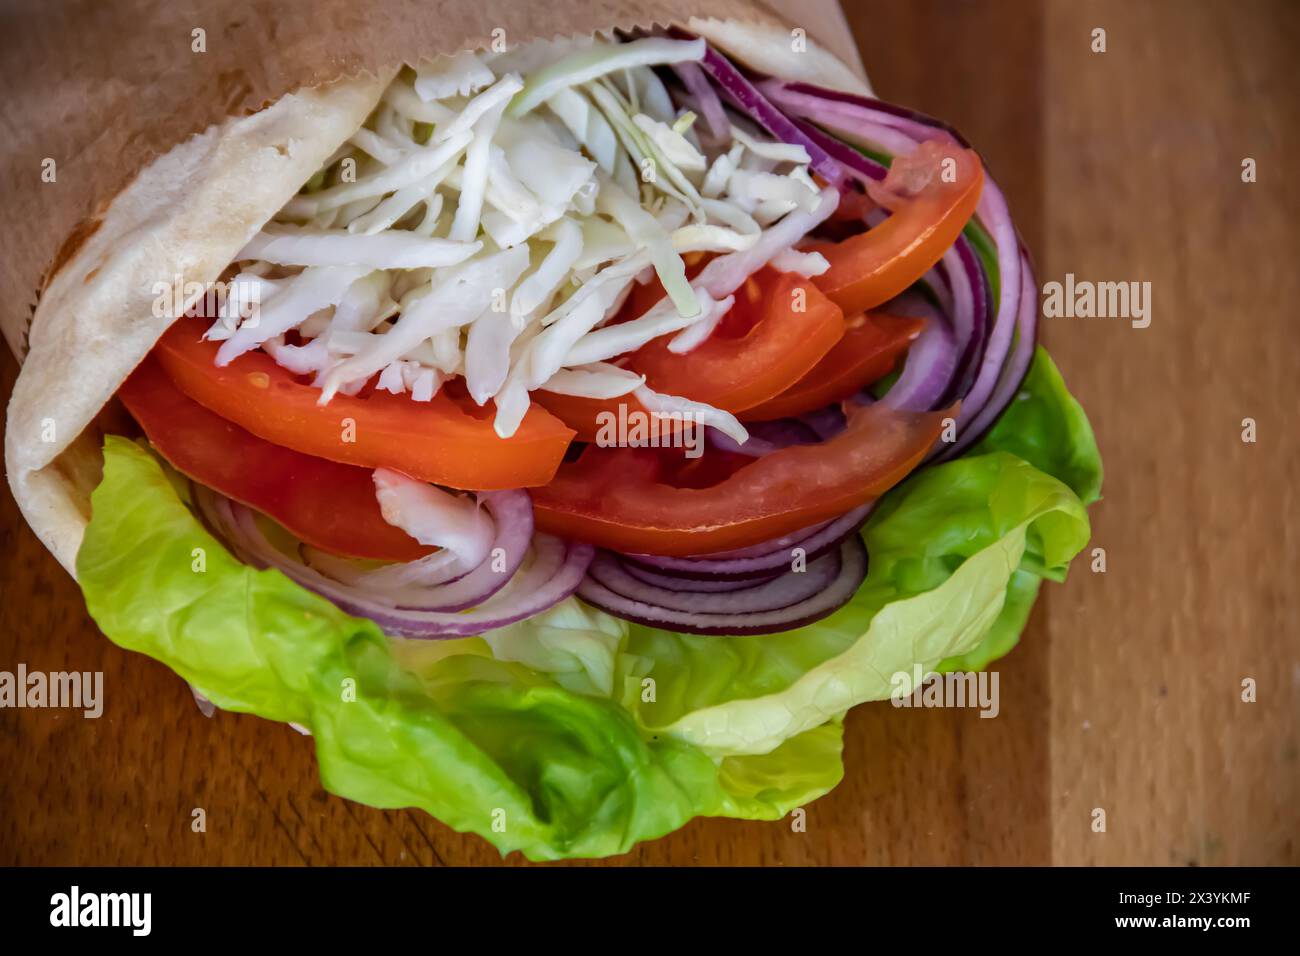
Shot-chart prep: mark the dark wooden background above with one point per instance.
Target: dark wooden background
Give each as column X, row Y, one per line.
column 1125, row 693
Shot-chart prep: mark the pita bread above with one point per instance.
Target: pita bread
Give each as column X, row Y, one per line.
column 187, row 214
column 778, row 52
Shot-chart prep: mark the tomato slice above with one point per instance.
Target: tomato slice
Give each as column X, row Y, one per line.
column 931, row 195
column 324, row 503
column 448, row 441
column 780, row 328
column 869, row 350
column 634, row 499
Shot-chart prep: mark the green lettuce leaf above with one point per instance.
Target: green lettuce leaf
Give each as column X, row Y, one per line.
column 943, row 552
column 1006, row 630
column 1046, row 427
column 575, row 734
column 485, row 745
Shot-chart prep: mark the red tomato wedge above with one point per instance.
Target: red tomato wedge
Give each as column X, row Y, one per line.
column 324, row 503
column 650, row 501
column 869, row 350
column 931, row 195
column 448, row 441
column 779, row 329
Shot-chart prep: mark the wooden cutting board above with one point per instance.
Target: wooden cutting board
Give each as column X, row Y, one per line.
column 1125, row 694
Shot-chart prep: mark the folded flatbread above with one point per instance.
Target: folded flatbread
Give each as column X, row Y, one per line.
column 188, row 213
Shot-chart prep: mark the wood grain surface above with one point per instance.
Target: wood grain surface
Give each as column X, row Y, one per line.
column 1125, row 694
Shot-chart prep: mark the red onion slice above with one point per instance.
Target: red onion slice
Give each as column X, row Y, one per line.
column 703, row 585
column 886, row 138
column 706, row 99
column 751, row 103
column 512, row 513
column 771, row 594
column 411, row 584
column 858, row 165
column 1011, row 376
column 931, row 360
column 775, row 556
column 992, row 211
column 947, row 357
column 972, row 307
column 835, row 108
column 852, row 572
column 551, row 572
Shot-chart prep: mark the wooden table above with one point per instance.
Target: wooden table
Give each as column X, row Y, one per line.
column 1125, row 694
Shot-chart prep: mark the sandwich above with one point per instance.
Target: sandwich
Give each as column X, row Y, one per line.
column 564, row 435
